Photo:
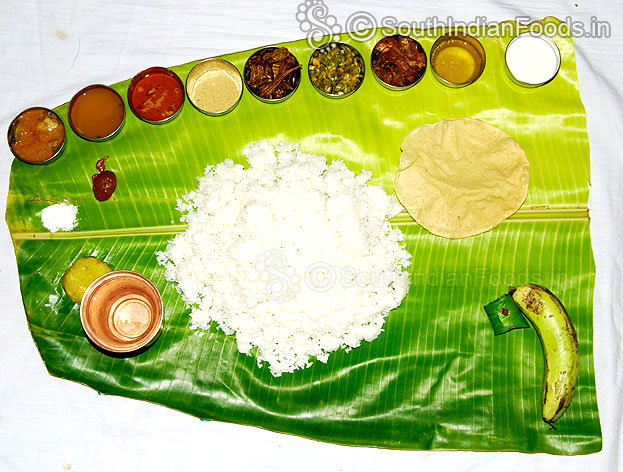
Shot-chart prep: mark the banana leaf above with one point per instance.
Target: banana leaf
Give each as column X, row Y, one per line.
column 436, row 377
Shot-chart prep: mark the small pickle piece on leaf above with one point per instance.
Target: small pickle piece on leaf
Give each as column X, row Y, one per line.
column 80, row 275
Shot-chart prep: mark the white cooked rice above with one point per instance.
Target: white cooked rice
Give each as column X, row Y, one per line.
column 293, row 255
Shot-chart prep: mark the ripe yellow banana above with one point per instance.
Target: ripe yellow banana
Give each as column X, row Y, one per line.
column 560, row 346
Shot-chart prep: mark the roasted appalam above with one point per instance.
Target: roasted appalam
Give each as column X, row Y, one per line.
column 461, row 176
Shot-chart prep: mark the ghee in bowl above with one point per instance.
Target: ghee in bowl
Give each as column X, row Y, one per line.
column 96, row 113
column 457, row 59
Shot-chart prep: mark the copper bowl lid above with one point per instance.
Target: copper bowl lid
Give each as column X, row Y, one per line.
column 122, row 311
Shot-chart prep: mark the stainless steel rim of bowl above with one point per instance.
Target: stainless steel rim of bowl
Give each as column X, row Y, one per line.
column 397, row 87
column 363, row 74
column 297, row 82
column 228, row 65
column 474, row 42
column 139, row 77
column 73, row 102
column 543, row 37
column 54, row 156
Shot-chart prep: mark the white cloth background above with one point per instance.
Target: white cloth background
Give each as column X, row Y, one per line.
column 52, row 49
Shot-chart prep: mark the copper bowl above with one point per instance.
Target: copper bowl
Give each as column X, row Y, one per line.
column 122, row 311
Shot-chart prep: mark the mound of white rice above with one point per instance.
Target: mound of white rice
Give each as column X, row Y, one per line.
column 293, row 255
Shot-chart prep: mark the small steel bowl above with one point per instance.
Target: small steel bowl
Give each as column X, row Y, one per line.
column 295, row 80
column 326, row 47
column 143, row 75
column 76, row 102
column 466, row 42
column 542, row 40
column 375, row 54
column 12, row 139
column 122, row 311
column 204, row 78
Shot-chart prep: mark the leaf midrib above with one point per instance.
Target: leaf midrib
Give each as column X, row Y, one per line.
column 523, row 214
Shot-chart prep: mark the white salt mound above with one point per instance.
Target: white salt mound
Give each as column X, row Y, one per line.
column 293, row 255
column 59, row 217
